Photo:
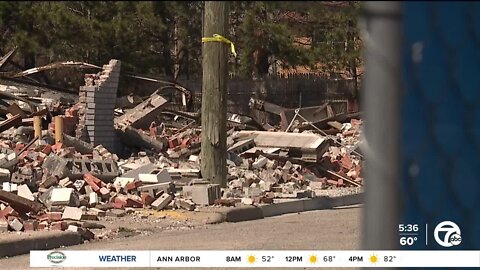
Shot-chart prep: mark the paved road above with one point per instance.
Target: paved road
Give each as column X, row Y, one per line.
column 316, row 230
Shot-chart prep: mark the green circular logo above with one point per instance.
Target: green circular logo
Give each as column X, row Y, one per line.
column 56, row 257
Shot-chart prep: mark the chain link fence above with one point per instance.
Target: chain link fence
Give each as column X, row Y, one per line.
column 441, row 118
column 423, row 151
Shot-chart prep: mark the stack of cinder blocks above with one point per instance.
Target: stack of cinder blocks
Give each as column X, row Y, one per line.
column 97, row 100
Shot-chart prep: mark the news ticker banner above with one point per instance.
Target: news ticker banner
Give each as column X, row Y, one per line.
column 254, row 258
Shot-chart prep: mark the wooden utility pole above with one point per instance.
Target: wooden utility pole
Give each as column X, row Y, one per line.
column 214, row 88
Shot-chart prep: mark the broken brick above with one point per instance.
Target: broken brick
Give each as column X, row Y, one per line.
column 132, row 185
column 8, row 211
column 51, row 216
column 58, row 226
column 147, row 199
column 47, row 149
column 30, row 225
column 92, row 181
column 43, row 225
column 3, row 225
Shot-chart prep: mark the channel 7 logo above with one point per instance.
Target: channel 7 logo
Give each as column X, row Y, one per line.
column 448, row 234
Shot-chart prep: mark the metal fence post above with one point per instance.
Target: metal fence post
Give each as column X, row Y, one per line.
column 381, row 102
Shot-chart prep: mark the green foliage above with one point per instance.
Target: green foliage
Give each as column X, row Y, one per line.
column 164, row 37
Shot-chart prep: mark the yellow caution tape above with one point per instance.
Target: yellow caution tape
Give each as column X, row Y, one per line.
column 219, row 38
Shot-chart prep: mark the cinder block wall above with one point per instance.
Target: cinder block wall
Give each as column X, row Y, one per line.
column 97, row 101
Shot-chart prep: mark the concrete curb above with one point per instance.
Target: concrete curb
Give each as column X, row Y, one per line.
column 38, row 241
column 49, row 240
column 248, row 212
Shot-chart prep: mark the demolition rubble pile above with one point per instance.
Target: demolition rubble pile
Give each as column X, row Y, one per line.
column 65, row 178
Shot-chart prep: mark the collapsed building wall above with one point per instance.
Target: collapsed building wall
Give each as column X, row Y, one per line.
column 97, row 103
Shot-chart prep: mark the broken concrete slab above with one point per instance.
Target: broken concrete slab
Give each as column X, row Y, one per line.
column 308, row 144
column 161, row 176
column 55, row 166
column 144, row 113
column 144, row 169
column 24, row 191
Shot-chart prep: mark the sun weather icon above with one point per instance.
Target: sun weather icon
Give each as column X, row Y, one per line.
column 373, row 259
column 251, row 259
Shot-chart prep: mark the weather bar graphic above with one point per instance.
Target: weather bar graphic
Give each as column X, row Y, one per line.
column 255, row 258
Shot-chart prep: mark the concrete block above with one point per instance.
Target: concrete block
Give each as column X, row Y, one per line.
column 162, row 201
column 102, row 128
column 72, row 228
column 123, row 181
column 93, row 199
column 88, row 190
column 156, row 188
column 72, row 213
column 202, row 194
column 248, row 201
column 9, row 187
column 24, row 191
column 64, row 196
column 15, row 224
column 99, row 213
column 185, row 204
column 260, row 162
column 161, row 176
column 4, row 175
column 193, row 158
